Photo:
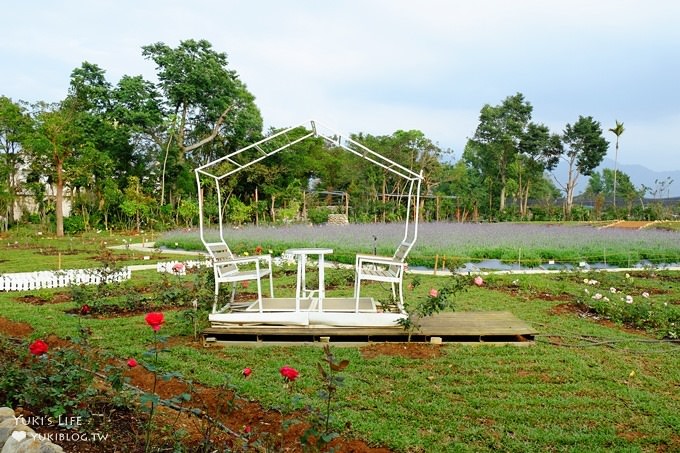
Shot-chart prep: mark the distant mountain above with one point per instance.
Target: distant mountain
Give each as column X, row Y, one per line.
column 638, row 175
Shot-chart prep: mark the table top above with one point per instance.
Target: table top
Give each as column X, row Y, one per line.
column 309, row 251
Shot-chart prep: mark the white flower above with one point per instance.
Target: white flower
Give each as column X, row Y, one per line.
column 597, row 296
column 593, row 282
column 605, row 299
column 586, row 290
column 627, row 275
column 612, row 290
column 629, row 299
column 645, row 295
column 586, row 281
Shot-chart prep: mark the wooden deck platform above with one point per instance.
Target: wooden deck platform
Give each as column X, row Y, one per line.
column 486, row 326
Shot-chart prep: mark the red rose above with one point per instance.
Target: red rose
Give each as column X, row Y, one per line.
column 85, row 310
column 154, row 319
column 247, row 372
column 434, row 293
column 131, row 362
column 258, row 250
column 178, row 268
column 247, row 429
column 38, row 347
column 289, row 374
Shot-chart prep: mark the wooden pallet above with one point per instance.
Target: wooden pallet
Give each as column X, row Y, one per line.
column 483, row 326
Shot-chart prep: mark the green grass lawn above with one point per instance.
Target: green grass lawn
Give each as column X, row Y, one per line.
column 583, row 386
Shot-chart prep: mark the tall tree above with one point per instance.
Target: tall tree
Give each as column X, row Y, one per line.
column 497, row 139
column 539, row 151
column 203, row 100
column 106, row 147
column 585, row 150
column 55, row 142
column 14, row 124
column 616, row 130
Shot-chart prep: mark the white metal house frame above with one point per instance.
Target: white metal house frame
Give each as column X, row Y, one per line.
column 220, row 169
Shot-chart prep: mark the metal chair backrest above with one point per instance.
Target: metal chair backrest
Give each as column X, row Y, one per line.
column 219, row 252
column 401, row 254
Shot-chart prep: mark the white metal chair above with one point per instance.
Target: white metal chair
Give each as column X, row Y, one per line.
column 383, row 269
column 226, row 269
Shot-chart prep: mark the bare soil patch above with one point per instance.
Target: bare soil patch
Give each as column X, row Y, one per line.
column 408, row 350
column 14, row 329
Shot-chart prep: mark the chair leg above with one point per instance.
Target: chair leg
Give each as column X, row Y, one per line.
column 217, row 291
column 401, row 296
column 259, row 293
column 357, row 292
column 271, row 284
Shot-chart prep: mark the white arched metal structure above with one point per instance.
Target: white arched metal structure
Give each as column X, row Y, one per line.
column 220, row 169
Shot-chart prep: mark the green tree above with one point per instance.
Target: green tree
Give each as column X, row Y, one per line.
column 107, row 142
column 616, row 130
column 55, row 143
column 585, row 150
column 14, row 124
column 625, row 187
column 539, row 152
column 136, row 204
column 208, row 109
column 496, row 143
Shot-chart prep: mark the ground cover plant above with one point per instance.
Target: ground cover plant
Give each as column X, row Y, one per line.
column 528, row 244
column 27, row 249
column 595, row 380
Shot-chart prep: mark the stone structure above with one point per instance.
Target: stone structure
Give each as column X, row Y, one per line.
column 17, row 437
column 337, row 219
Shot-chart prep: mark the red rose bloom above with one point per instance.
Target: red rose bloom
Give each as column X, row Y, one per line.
column 154, row 319
column 246, row 372
column 289, row 374
column 131, row 362
column 85, row 310
column 434, row 293
column 38, row 347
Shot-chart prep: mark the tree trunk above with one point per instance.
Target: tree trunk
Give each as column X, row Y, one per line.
column 571, row 185
column 384, row 199
column 257, row 214
column 59, row 200
column 272, row 211
column 525, row 206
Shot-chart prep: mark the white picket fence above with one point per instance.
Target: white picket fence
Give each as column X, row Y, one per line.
column 24, row 281
column 180, row 267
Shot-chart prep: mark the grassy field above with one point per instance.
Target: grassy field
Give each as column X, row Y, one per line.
column 586, row 384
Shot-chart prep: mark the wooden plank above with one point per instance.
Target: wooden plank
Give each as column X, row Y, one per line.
column 457, row 324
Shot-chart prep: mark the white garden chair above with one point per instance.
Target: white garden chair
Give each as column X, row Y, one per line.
column 383, row 269
column 226, row 269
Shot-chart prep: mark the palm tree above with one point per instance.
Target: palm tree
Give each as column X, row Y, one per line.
column 617, row 130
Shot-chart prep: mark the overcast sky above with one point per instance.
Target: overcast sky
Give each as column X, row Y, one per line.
column 379, row 66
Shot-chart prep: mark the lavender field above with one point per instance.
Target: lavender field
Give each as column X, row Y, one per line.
column 533, row 244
